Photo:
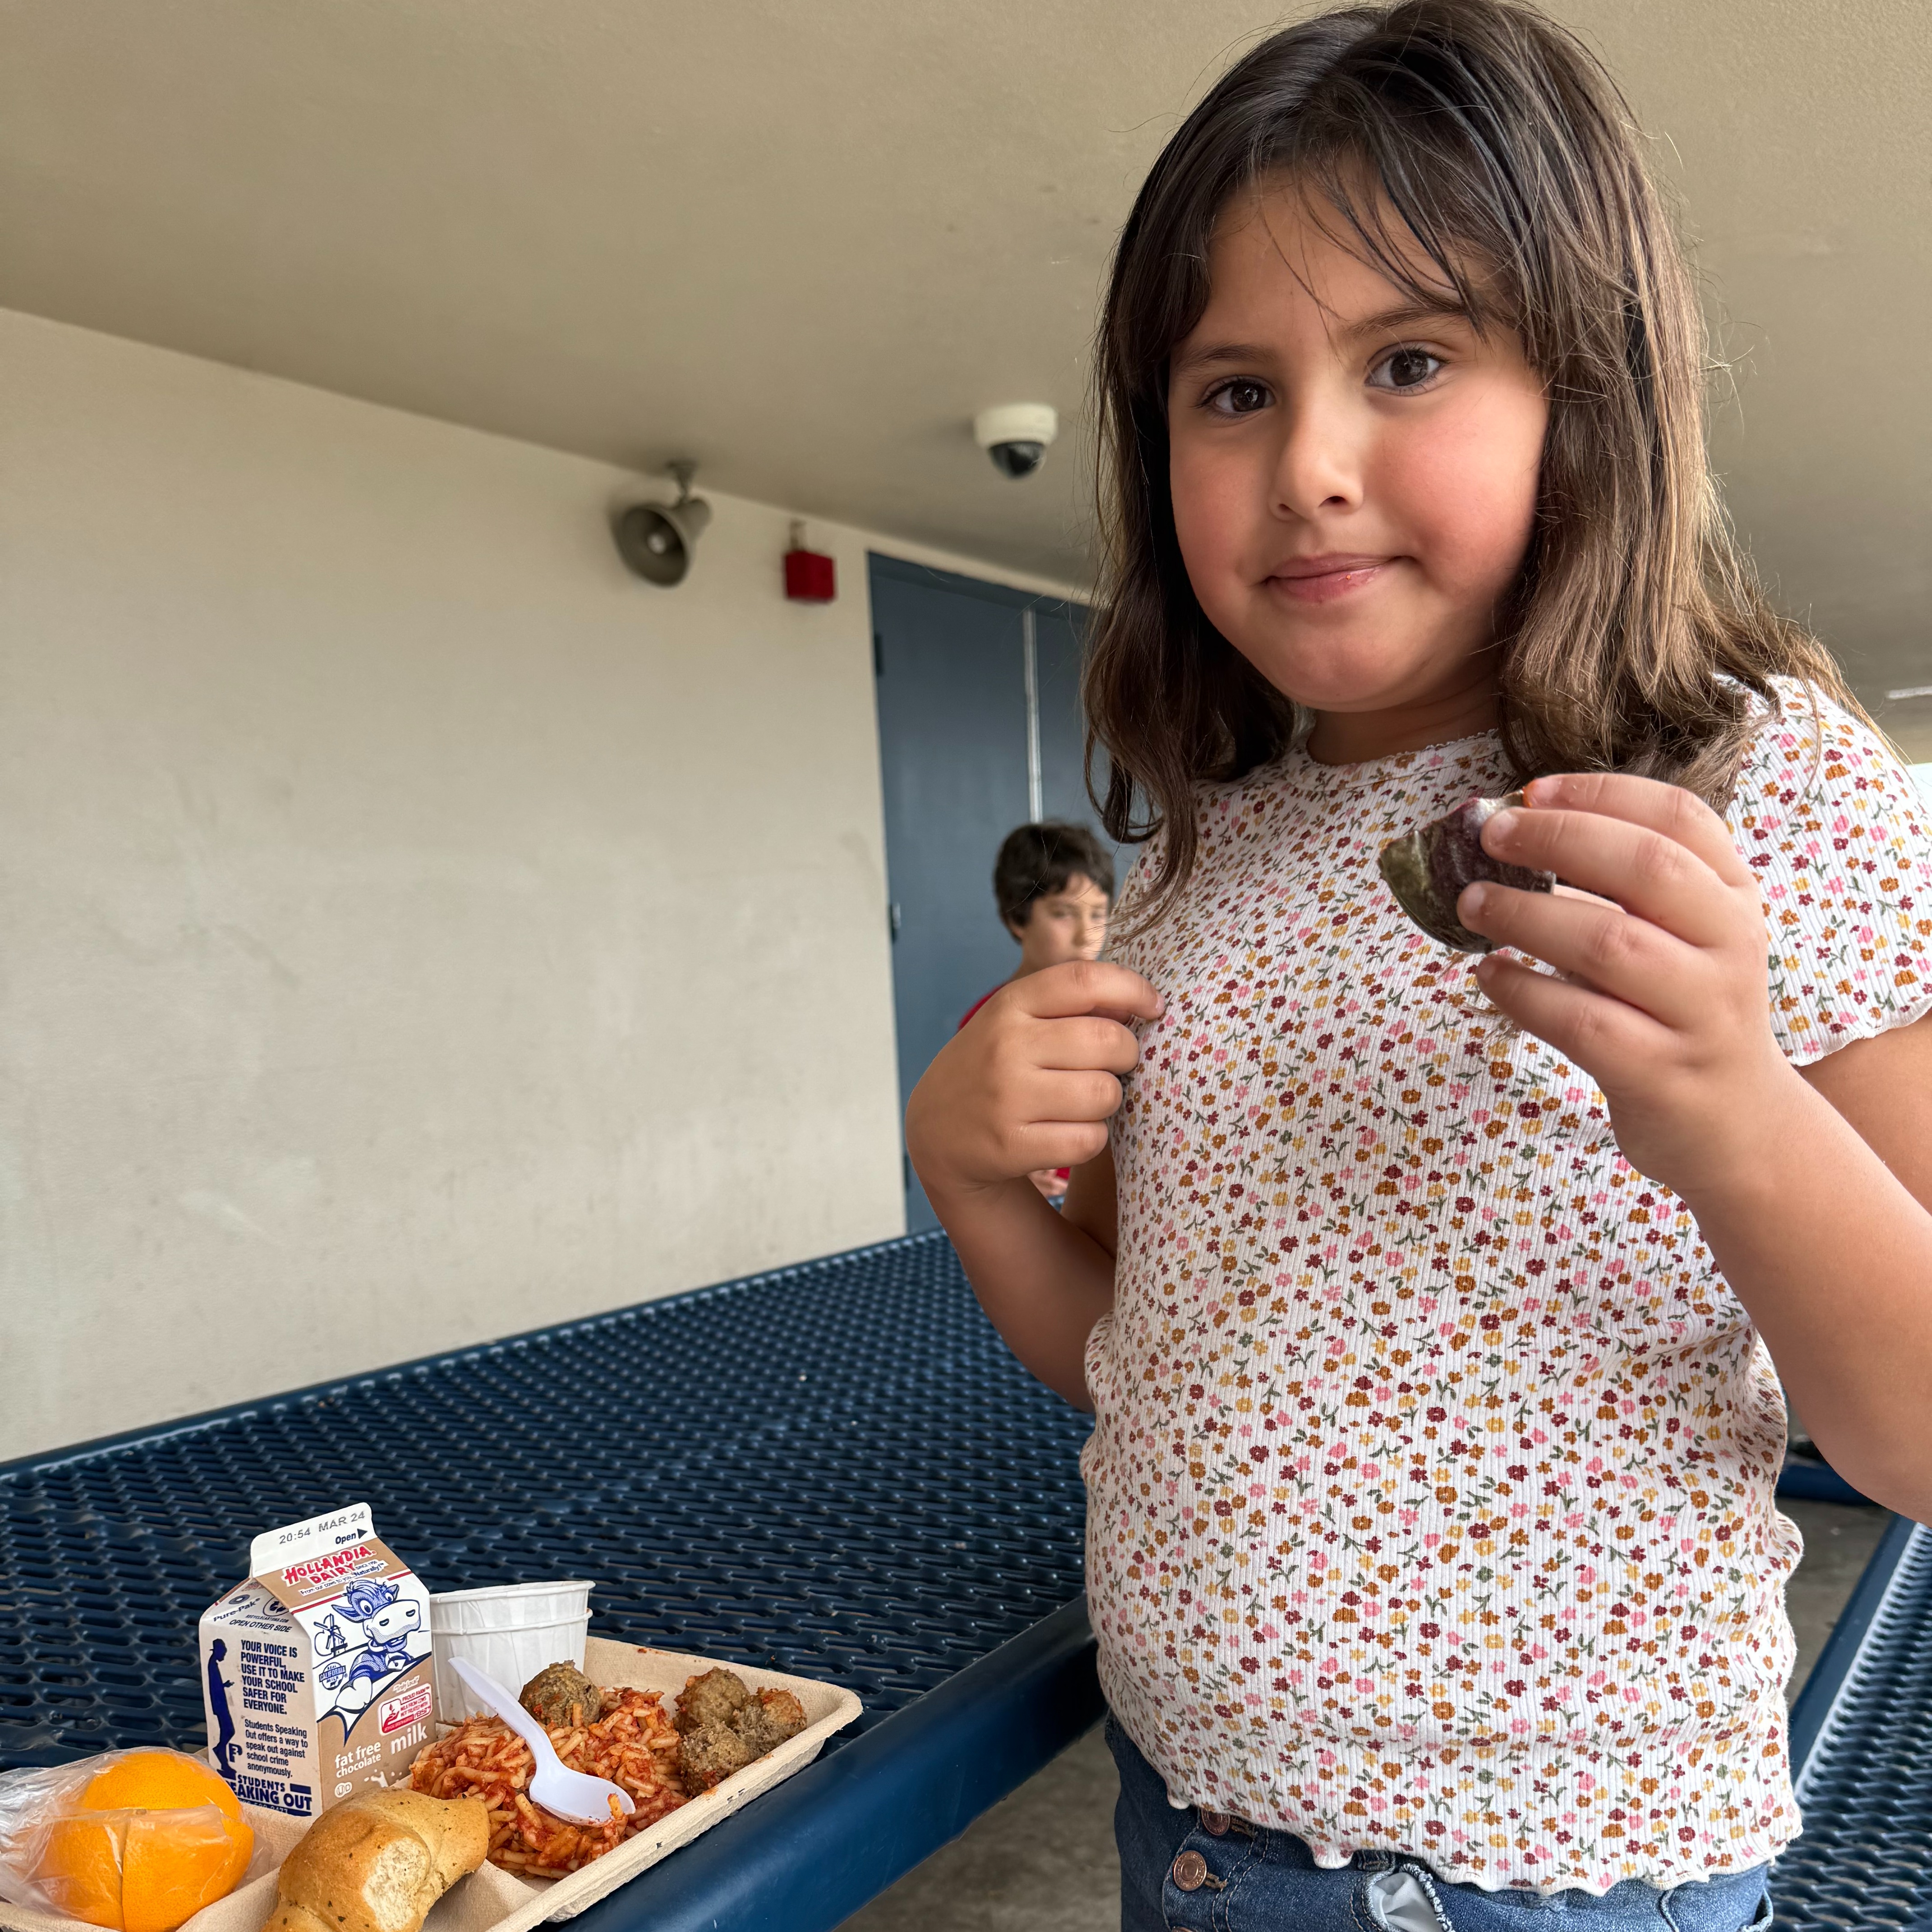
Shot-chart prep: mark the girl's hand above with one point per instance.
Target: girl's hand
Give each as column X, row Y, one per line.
column 1030, row 1080
column 1663, row 999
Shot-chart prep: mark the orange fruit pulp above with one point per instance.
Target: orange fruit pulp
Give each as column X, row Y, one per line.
column 150, row 1841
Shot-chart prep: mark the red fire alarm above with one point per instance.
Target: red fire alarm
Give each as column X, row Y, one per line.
column 810, row 577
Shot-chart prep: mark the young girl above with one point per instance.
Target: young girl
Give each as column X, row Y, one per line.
column 1428, row 1315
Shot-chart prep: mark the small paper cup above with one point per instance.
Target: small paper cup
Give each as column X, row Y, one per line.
column 510, row 1633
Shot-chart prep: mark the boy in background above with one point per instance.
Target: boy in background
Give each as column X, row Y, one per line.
column 1054, row 884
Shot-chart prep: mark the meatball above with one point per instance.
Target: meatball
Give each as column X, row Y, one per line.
column 768, row 1719
column 716, row 1697
column 710, row 1754
column 560, row 1695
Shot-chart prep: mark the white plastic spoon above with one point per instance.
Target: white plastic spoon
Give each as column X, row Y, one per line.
column 573, row 1794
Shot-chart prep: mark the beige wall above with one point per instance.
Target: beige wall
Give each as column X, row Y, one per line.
column 412, row 927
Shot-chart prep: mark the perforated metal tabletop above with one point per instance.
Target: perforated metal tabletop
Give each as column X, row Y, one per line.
column 1862, row 1742
column 836, row 1470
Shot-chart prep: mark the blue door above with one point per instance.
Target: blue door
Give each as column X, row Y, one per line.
column 979, row 730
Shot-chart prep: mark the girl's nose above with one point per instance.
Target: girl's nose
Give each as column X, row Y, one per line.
column 1319, row 466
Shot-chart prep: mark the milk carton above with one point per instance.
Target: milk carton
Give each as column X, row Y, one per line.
column 315, row 1672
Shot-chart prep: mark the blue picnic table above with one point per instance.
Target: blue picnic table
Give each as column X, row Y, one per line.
column 834, row 1470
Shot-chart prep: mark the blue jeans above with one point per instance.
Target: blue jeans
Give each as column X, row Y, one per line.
column 1200, row 1871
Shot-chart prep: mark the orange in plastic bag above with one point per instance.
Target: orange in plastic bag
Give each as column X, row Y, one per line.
column 135, row 1841
column 80, row 1868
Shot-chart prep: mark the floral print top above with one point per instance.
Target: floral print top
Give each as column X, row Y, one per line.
column 1430, row 1491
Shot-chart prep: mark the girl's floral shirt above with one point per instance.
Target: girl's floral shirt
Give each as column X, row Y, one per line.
column 1430, row 1492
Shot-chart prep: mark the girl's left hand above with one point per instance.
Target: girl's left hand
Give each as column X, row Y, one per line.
column 1663, row 999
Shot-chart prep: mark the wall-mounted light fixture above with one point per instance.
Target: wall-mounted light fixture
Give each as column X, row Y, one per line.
column 656, row 539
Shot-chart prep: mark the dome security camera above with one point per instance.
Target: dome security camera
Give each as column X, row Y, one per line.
column 1015, row 435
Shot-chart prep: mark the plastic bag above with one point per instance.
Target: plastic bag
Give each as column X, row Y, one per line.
column 135, row 1841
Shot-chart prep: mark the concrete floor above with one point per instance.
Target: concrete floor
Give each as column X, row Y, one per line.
column 1042, row 1861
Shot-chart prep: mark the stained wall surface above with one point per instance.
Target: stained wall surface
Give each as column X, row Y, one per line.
column 413, row 928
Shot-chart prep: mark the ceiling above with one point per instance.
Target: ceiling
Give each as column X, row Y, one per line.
column 804, row 243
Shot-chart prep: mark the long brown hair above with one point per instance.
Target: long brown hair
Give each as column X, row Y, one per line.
column 1636, row 631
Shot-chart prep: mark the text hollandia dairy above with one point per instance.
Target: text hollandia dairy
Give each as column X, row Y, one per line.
column 315, row 1672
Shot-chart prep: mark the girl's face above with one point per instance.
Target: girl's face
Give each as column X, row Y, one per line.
column 1354, row 482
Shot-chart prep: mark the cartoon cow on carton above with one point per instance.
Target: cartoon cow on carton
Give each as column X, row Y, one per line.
column 361, row 1661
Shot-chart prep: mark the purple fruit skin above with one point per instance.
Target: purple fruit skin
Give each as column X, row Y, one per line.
column 1453, row 852
column 1456, row 859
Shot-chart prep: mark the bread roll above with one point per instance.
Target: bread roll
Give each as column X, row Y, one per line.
column 378, row 1862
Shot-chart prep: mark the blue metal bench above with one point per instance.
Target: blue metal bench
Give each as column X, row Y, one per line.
column 836, row 1470
column 1862, row 1743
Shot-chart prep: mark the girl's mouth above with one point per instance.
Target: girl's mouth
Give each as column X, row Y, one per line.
column 1321, row 579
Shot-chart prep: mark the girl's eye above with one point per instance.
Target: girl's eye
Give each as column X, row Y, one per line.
column 1240, row 397
column 1404, row 369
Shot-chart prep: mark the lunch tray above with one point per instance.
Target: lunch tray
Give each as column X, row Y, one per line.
column 492, row 1900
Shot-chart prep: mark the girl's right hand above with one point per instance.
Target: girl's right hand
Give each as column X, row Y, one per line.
column 1030, row 1080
